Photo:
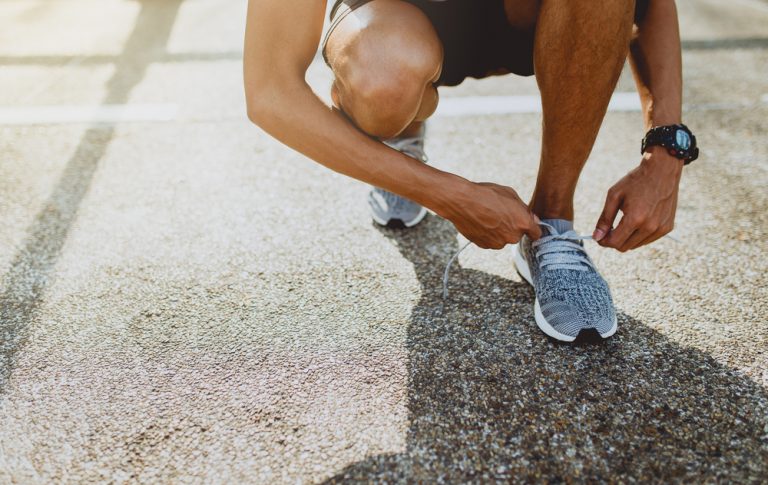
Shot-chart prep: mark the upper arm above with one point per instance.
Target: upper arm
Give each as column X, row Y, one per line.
column 281, row 38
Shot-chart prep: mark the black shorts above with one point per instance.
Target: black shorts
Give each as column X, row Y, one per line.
column 476, row 37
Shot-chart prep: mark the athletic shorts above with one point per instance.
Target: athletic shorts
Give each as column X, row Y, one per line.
column 477, row 39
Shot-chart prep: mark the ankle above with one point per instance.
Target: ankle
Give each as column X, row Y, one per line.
column 552, row 208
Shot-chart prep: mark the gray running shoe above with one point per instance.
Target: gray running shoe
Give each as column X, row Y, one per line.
column 571, row 296
column 388, row 209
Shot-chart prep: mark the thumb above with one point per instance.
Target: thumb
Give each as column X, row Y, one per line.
column 534, row 230
column 610, row 211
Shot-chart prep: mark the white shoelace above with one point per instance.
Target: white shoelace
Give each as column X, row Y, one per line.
column 446, row 274
column 562, row 252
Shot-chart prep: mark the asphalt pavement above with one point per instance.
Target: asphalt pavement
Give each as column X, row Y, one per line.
column 184, row 300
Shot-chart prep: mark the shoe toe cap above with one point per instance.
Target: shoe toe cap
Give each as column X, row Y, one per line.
column 569, row 320
column 563, row 318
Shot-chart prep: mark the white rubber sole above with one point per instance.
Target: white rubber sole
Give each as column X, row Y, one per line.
column 522, row 267
column 419, row 217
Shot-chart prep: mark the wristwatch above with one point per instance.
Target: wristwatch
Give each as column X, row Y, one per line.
column 677, row 139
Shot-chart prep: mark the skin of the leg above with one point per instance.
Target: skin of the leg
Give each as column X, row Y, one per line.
column 580, row 49
column 385, row 57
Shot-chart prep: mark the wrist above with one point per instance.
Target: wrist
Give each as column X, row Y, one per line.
column 663, row 120
column 658, row 159
column 678, row 141
column 447, row 191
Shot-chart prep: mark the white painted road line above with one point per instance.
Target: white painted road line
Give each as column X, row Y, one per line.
column 489, row 105
column 115, row 113
column 449, row 107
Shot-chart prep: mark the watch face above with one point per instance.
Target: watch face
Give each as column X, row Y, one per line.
column 683, row 140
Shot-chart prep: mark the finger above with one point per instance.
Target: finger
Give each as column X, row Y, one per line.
column 611, row 209
column 512, row 238
column 534, row 230
column 652, row 238
column 663, row 231
column 618, row 237
column 481, row 244
column 633, row 242
column 486, row 243
column 498, row 245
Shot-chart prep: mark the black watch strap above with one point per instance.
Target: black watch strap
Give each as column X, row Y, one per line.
column 677, row 139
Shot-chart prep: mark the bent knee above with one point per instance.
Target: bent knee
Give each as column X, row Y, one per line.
column 382, row 76
column 385, row 97
column 383, row 104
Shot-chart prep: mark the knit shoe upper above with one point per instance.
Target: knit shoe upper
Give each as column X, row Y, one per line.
column 571, row 295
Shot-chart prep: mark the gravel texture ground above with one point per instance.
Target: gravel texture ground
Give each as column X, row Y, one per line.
column 187, row 301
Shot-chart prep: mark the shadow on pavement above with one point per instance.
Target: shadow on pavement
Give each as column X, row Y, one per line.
column 491, row 399
column 25, row 283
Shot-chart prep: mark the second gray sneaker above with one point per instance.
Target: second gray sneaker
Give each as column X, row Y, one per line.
column 571, row 296
column 388, row 209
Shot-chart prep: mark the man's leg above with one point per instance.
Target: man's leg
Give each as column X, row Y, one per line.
column 385, row 57
column 580, row 47
column 579, row 52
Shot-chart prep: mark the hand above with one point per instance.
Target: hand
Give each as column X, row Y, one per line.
column 647, row 197
column 492, row 216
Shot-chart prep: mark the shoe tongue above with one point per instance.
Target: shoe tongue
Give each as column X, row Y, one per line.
column 560, row 225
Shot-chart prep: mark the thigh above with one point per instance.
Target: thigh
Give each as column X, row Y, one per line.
column 479, row 40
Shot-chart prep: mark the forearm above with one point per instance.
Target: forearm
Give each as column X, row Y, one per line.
column 293, row 114
column 656, row 59
column 281, row 39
